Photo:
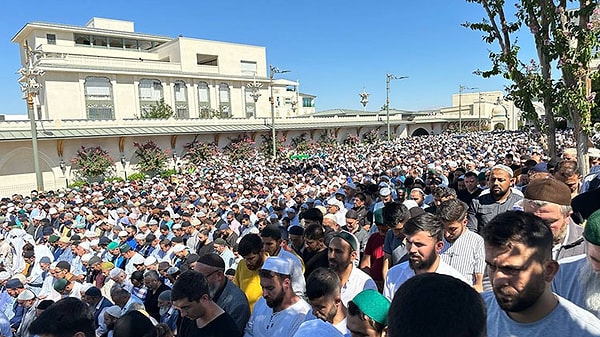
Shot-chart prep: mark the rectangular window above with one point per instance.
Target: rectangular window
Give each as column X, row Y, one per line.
column 307, row 102
column 248, row 67
column 99, row 41
column 145, row 45
column 115, row 42
column 130, row 44
column 82, row 40
column 207, row 60
column 51, row 38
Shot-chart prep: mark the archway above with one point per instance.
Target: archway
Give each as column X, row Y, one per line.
column 499, row 127
column 420, row 132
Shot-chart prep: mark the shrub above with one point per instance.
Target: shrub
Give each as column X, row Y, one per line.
column 92, row 162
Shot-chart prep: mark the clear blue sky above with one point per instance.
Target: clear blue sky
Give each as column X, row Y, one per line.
column 334, row 48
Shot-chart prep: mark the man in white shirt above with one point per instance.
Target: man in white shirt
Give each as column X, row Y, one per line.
column 279, row 312
column 271, row 238
column 424, row 241
column 343, row 250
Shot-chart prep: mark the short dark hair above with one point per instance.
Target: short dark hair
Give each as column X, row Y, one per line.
column 322, row 282
column 451, row 211
column 444, row 192
column 410, row 315
column 272, row 232
column 395, row 213
column 134, row 323
column 360, row 196
column 191, row 285
column 471, row 174
column 250, row 244
column 313, row 214
column 314, row 232
column 152, row 274
column 519, row 227
column 137, row 275
column 425, row 222
column 64, row 319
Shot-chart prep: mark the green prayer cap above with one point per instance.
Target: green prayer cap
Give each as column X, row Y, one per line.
column 591, row 231
column 373, row 304
column 113, row 245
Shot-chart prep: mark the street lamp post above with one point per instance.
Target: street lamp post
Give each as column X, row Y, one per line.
column 364, row 99
column 254, row 88
column 460, row 90
column 272, row 71
column 388, row 78
column 30, row 87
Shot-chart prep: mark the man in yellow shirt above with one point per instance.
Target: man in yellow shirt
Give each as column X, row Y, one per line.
column 250, row 249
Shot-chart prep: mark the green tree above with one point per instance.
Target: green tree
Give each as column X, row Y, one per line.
column 564, row 39
column 160, row 110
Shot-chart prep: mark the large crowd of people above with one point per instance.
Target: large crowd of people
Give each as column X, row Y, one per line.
column 404, row 238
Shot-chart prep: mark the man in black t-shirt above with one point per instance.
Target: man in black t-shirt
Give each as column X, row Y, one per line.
column 201, row 316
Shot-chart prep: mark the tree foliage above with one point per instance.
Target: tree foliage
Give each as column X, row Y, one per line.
column 565, row 40
column 160, row 110
column 151, row 158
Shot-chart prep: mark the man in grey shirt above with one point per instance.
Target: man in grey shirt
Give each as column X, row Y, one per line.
column 500, row 198
column 518, row 252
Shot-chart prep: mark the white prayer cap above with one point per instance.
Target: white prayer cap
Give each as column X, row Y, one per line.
column 277, row 264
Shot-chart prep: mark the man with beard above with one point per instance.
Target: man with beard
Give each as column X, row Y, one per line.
column 324, row 297
column 204, row 246
column 424, row 241
column 272, row 241
column 155, row 287
column 578, row 278
column 343, row 251
column 550, row 200
column 499, row 199
column 518, row 252
column 222, row 291
column 463, row 249
column 201, row 316
column 279, row 312
column 246, row 274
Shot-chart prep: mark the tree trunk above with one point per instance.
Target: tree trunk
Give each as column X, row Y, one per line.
column 582, row 140
column 550, row 130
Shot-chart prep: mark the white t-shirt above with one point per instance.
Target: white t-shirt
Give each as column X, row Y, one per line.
column 357, row 282
column 266, row 323
column 317, row 327
column 400, row 273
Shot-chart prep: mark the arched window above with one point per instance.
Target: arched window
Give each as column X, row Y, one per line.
column 224, row 100
column 204, row 100
column 98, row 98
column 181, row 100
column 151, row 92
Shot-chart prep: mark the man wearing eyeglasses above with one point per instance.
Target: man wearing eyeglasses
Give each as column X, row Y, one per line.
column 222, row 291
column 550, row 200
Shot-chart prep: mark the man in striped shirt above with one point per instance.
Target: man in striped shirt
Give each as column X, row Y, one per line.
column 463, row 249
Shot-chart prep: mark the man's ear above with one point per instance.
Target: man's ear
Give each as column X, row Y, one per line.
column 438, row 246
column 550, row 269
